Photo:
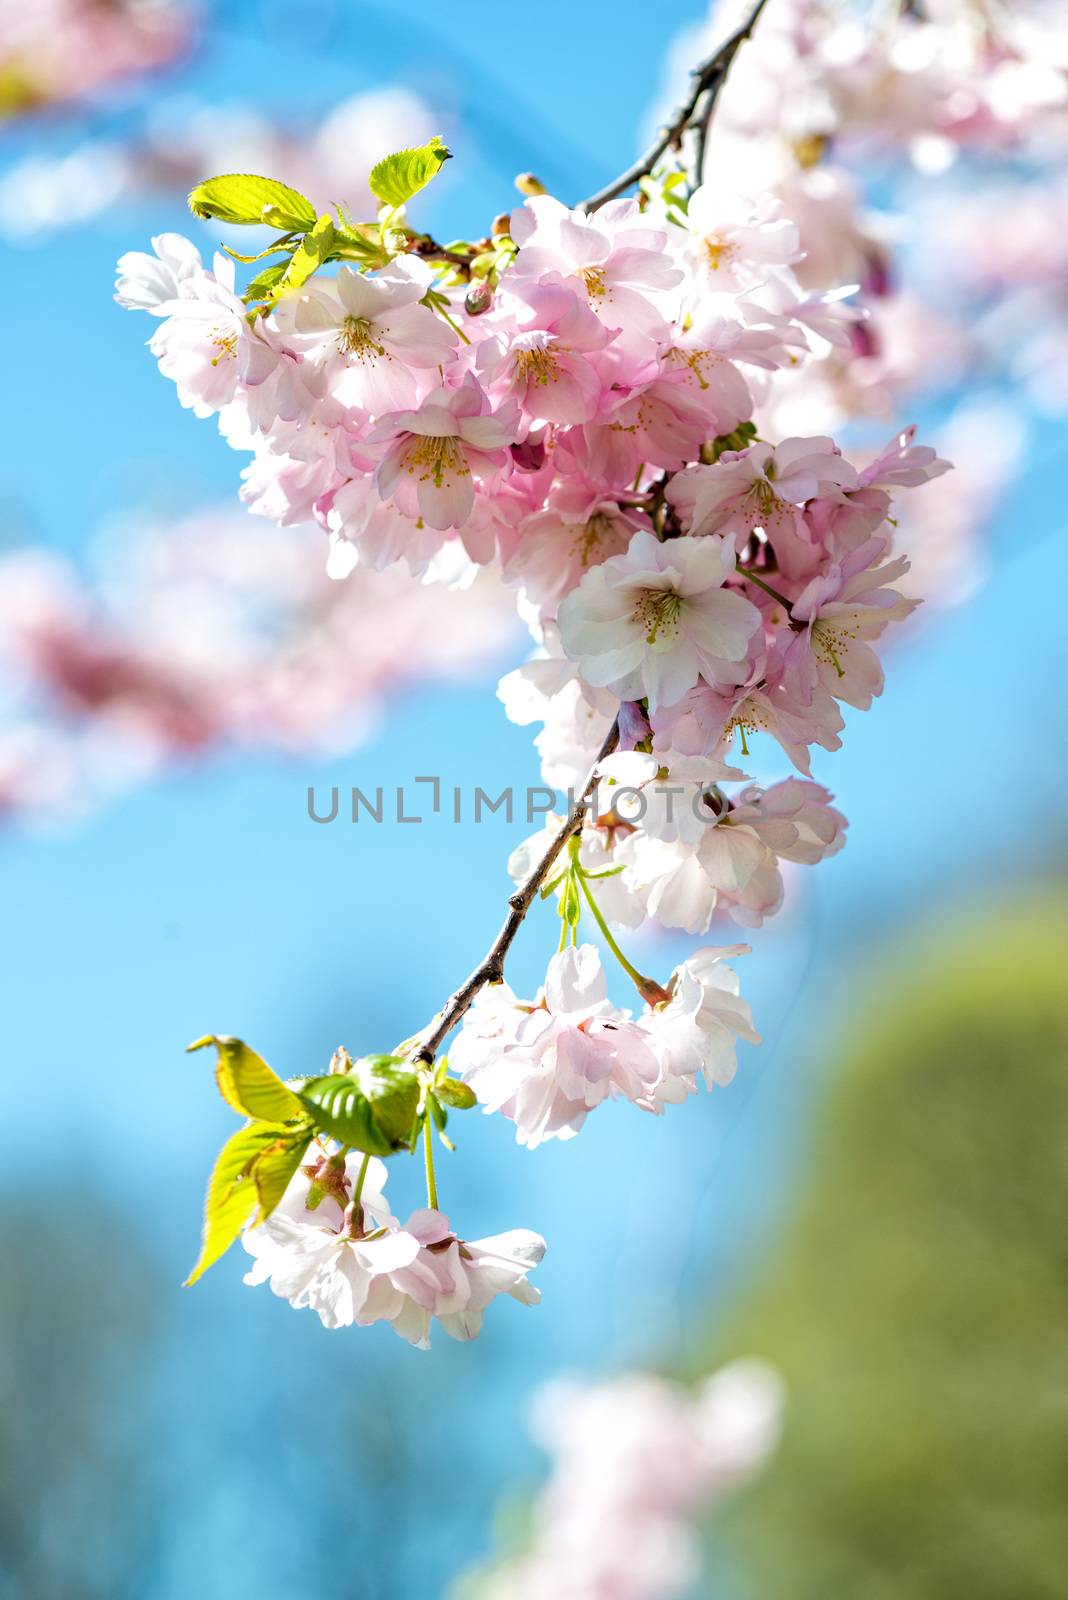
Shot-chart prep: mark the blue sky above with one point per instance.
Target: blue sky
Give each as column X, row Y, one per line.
column 208, row 902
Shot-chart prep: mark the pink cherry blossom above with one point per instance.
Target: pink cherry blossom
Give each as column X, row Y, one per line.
column 60, row 50
column 903, row 464
column 305, row 1249
column 760, row 487
column 546, row 365
column 615, row 261
column 738, row 242
column 794, row 818
column 453, row 1280
column 435, row 453
column 579, row 528
column 546, row 1064
column 845, row 609
column 368, row 334
column 695, row 1032
column 204, row 343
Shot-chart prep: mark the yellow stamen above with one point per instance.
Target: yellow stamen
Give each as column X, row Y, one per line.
column 588, row 536
column 657, row 611
column 436, row 458
column 355, row 339
column 537, row 365
column 226, row 344
column 718, row 251
column 831, row 643
column 593, row 277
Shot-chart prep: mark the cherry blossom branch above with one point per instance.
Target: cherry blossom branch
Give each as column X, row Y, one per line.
column 707, row 80
column 491, row 968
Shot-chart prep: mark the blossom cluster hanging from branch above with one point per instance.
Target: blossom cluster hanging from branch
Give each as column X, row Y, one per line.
column 578, row 397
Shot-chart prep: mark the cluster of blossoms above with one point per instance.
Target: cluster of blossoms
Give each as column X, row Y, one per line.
column 333, row 1244
column 55, row 51
column 546, row 1064
column 580, row 399
column 636, row 1463
column 206, row 635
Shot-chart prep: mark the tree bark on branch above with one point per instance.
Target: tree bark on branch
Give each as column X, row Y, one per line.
column 706, row 82
column 491, row 968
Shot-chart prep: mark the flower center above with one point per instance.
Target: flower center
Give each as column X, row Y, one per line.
column 719, row 251
column 695, row 360
column 536, row 366
column 593, row 278
column 436, row 458
column 830, row 643
column 764, row 499
column 588, row 537
column 657, row 612
column 745, row 720
column 354, row 339
column 226, row 344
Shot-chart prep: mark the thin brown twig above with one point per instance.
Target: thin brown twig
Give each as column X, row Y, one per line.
column 706, row 82
column 491, row 968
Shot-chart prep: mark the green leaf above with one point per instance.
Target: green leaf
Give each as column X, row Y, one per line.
column 247, row 1083
column 243, row 197
column 232, row 1194
column 312, row 251
column 392, row 1089
column 454, row 1093
column 264, row 282
column 372, row 1107
column 395, row 179
column 274, row 1166
column 339, row 1108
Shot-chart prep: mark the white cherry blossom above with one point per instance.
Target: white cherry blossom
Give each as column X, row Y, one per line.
column 652, row 621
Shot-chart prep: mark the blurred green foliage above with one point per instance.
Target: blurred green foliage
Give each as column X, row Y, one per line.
column 77, row 1325
column 918, row 1303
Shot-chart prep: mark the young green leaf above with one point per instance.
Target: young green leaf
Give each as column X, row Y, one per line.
column 232, row 1193
column 396, row 178
column 274, row 1166
column 243, row 197
column 392, row 1089
column 264, row 282
column 339, row 1108
column 310, row 254
column 247, row 1083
